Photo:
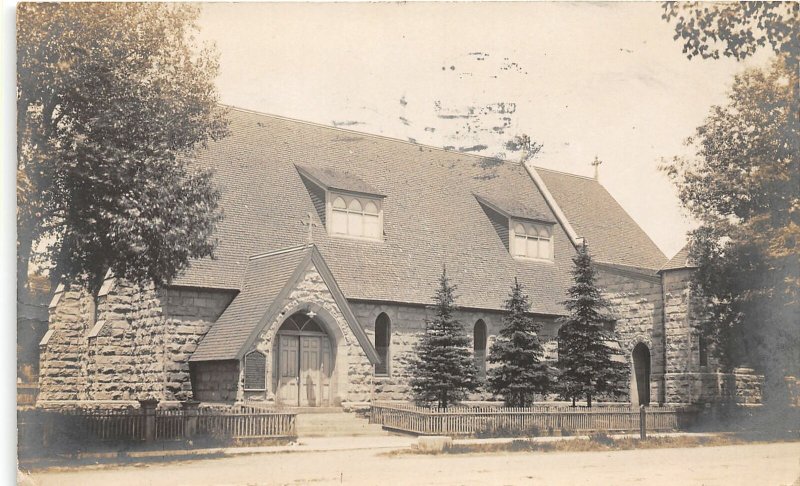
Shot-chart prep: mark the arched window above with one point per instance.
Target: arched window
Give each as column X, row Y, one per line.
column 533, row 241
column 356, row 216
column 255, row 371
column 479, row 347
column 339, row 216
column 702, row 346
column 383, row 341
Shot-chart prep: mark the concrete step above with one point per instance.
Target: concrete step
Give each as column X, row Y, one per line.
column 335, row 425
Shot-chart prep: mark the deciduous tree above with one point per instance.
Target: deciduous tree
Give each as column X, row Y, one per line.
column 737, row 29
column 111, row 97
column 743, row 186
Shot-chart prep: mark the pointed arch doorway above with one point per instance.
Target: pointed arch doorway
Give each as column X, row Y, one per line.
column 304, row 363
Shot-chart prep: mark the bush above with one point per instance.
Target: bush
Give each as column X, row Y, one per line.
column 489, row 431
column 566, row 432
column 602, row 438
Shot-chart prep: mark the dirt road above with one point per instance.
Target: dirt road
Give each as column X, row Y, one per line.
column 768, row 464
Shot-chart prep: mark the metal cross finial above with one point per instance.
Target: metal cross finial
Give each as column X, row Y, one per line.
column 596, row 165
column 309, row 221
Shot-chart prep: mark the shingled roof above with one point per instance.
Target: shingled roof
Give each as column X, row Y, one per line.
column 267, row 279
column 679, row 261
column 612, row 235
column 431, row 215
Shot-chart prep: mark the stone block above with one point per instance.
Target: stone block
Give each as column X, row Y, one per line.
column 434, row 443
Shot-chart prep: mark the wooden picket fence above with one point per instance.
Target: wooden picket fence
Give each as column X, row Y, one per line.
column 246, row 423
column 465, row 421
column 41, row 429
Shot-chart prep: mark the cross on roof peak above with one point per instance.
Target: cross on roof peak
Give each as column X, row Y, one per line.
column 596, row 163
column 310, row 223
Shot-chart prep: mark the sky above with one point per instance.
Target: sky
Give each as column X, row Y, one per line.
column 583, row 80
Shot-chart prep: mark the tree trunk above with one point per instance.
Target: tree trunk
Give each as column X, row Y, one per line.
column 589, row 400
column 24, row 248
column 573, row 402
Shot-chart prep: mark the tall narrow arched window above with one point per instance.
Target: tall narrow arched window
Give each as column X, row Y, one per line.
column 702, row 346
column 479, row 347
column 383, row 341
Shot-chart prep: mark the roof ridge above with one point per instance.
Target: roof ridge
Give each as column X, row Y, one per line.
column 278, row 252
column 383, row 137
column 567, row 173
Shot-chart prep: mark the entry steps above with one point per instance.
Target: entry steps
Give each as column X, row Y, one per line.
column 318, row 423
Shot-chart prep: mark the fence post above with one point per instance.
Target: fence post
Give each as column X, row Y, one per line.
column 149, row 411
column 189, row 418
column 642, row 422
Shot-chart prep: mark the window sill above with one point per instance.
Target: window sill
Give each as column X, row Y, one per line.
column 356, row 238
column 529, row 259
column 255, row 389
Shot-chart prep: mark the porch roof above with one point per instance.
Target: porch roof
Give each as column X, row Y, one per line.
column 267, row 281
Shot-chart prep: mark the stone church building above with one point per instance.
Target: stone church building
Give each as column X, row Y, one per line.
column 329, row 254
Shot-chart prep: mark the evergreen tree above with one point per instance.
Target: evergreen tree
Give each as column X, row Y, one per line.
column 584, row 357
column 444, row 370
column 521, row 372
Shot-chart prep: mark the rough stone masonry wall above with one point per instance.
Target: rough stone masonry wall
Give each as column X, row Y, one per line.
column 686, row 379
column 352, row 367
column 140, row 350
column 188, row 315
column 635, row 302
column 61, row 367
column 215, row 381
column 408, row 326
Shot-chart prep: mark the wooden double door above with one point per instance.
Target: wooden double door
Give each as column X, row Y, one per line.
column 304, row 369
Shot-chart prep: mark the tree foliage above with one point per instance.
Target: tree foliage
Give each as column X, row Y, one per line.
column 111, row 97
column 738, row 29
column 743, row 186
column 584, row 356
column 520, row 373
column 443, row 371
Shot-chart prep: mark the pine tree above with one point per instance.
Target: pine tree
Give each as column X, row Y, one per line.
column 443, row 371
column 584, row 357
column 521, row 372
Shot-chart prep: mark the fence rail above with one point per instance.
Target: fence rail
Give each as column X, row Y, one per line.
column 469, row 421
column 247, row 423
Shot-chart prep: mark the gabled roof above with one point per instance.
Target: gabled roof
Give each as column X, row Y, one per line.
column 331, row 179
column 511, row 208
column 267, row 281
column 612, row 235
column 679, row 261
column 431, row 217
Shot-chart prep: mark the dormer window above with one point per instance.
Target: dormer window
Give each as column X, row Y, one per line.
column 525, row 232
column 359, row 217
column 531, row 240
column 346, row 205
